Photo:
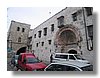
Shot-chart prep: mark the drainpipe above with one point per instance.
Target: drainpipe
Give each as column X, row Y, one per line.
column 85, row 29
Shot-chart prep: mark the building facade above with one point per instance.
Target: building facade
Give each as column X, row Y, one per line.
column 17, row 35
column 68, row 31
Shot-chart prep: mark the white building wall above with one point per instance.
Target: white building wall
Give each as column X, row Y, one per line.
column 44, row 52
column 14, row 34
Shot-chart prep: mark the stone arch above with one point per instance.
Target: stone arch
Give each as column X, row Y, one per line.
column 67, row 37
column 72, row 51
column 21, row 50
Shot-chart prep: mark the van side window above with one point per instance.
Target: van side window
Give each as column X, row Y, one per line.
column 71, row 57
column 62, row 56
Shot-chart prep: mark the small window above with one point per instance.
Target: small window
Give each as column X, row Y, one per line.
column 18, row 28
column 39, row 34
column 74, row 16
column 19, row 39
column 89, row 10
column 49, row 41
column 90, row 35
column 42, row 43
column 45, row 31
column 29, row 39
column 60, row 21
column 36, row 44
column 90, row 31
column 34, row 35
column 23, row 29
column 52, row 27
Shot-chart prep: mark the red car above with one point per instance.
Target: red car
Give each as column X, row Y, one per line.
column 29, row 62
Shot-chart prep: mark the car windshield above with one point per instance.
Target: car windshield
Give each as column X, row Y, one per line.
column 79, row 57
column 32, row 60
column 87, row 68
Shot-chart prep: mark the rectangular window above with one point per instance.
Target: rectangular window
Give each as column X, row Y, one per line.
column 34, row 35
column 90, row 31
column 42, row 43
column 39, row 34
column 49, row 41
column 52, row 27
column 88, row 10
column 90, row 34
column 74, row 16
column 60, row 21
column 45, row 31
column 19, row 39
column 36, row 44
column 23, row 29
column 29, row 40
column 18, row 29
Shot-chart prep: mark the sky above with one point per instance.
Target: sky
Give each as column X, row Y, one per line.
column 31, row 15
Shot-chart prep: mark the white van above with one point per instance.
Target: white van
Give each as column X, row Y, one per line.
column 63, row 57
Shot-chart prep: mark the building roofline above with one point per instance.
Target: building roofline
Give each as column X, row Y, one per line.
column 51, row 17
column 20, row 22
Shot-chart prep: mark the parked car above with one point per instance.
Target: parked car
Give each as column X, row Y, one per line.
column 69, row 66
column 60, row 57
column 29, row 62
column 14, row 60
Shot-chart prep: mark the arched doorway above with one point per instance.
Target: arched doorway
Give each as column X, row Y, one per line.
column 21, row 50
column 72, row 52
column 67, row 37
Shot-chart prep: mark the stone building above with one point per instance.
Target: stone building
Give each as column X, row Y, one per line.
column 68, row 31
column 17, row 35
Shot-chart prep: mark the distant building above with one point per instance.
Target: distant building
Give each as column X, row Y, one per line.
column 68, row 31
column 17, row 35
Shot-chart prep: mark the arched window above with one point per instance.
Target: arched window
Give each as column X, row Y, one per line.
column 19, row 39
column 18, row 29
column 23, row 29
